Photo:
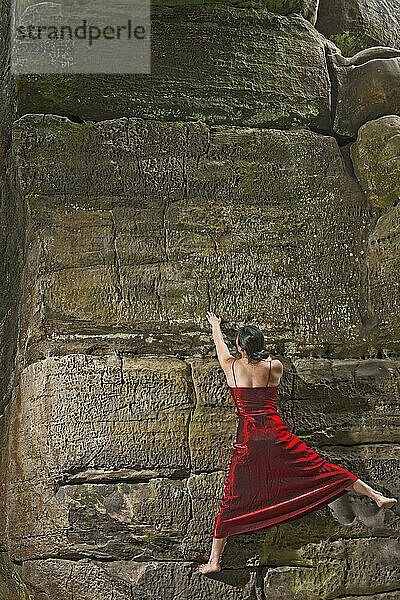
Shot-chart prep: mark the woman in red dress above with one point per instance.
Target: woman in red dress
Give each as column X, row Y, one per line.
column 273, row 476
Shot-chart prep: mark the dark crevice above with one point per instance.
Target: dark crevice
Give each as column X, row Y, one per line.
column 388, row 443
column 177, row 476
column 73, row 118
column 76, row 557
column 108, row 479
column 374, row 593
column 292, row 398
column 260, row 578
column 341, row 140
column 334, row 83
column 191, row 413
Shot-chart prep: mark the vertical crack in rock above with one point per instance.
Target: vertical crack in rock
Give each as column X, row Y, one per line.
column 19, row 361
column 184, row 174
column 292, row 393
column 190, row 499
column 68, row 580
column 208, row 294
column 192, row 411
column 367, row 321
column 333, row 81
column 347, row 569
column 276, row 535
column 157, row 285
column 120, row 358
column 117, row 261
column 207, row 150
column 165, row 230
column 259, row 583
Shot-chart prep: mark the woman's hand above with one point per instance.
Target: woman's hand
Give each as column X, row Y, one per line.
column 213, row 319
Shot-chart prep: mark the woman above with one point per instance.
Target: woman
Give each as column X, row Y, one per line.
column 273, row 476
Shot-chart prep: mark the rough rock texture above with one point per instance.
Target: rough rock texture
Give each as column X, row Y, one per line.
column 343, row 566
column 11, row 224
column 236, row 66
column 101, row 470
column 376, row 160
column 305, row 8
column 11, row 258
column 255, row 173
column 110, row 252
column 358, row 24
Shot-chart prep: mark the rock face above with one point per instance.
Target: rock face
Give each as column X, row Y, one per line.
column 256, row 175
column 111, row 250
column 232, row 65
column 358, row 24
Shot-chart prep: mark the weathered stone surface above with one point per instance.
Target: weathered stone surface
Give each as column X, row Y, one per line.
column 305, row 8
column 231, row 65
column 12, row 584
column 384, row 272
column 74, row 416
column 136, row 521
column 376, row 160
column 11, row 222
column 214, row 421
column 339, row 567
column 129, row 580
column 345, row 402
column 331, row 568
column 375, row 156
column 97, row 467
column 358, row 24
column 366, row 86
column 121, row 413
column 111, row 250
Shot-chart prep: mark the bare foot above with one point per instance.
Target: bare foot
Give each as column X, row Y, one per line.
column 382, row 501
column 209, row 568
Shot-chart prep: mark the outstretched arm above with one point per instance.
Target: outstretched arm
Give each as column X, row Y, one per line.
column 222, row 349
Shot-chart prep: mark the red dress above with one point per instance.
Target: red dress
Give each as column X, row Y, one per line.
column 273, row 476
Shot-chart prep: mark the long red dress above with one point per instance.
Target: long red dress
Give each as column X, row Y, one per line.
column 273, row 476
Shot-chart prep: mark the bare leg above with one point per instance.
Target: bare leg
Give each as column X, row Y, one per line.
column 359, row 487
column 213, row 565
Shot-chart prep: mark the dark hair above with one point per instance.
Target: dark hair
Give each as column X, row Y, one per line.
column 251, row 339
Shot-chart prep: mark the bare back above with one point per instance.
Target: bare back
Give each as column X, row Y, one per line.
column 254, row 375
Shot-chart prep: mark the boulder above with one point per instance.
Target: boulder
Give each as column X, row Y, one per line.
column 366, row 86
column 231, row 65
column 354, row 25
column 376, row 159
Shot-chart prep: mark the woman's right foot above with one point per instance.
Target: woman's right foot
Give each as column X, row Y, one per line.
column 384, row 502
column 209, row 568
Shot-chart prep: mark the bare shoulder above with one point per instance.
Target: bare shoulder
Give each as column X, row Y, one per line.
column 277, row 365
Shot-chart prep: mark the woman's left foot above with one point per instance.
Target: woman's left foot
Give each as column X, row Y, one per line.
column 209, row 568
column 382, row 501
